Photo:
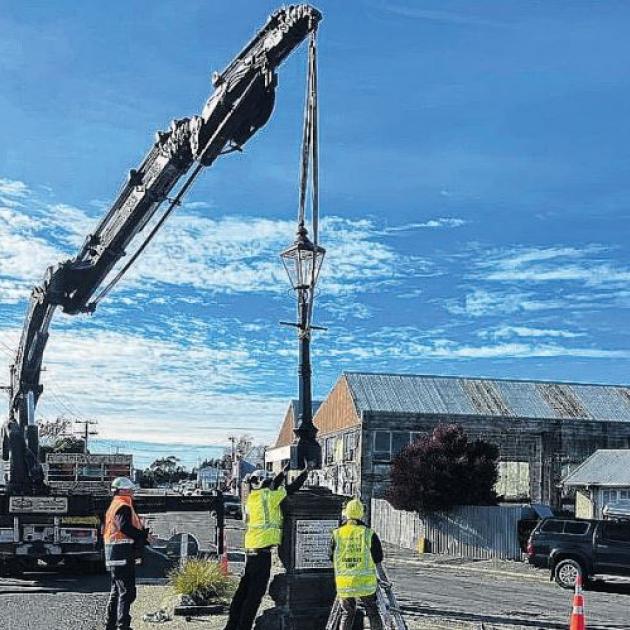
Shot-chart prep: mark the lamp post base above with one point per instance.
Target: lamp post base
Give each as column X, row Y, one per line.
column 304, row 594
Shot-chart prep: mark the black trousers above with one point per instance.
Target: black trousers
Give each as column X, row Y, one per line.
column 250, row 591
column 121, row 596
column 349, row 609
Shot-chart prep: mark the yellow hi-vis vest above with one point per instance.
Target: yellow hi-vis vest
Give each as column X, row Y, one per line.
column 264, row 518
column 355, row 571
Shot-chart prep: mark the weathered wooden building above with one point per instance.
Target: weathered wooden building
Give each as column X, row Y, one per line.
column 542, row 429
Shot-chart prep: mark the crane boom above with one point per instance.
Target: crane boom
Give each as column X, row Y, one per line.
column 241, row 103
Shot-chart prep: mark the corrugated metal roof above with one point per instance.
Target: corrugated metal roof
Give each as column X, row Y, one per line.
column 450, row 395
column 606, row 467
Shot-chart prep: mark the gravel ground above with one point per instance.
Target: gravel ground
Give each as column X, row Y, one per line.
column 56, row 602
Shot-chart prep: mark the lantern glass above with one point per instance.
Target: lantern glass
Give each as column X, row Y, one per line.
column 303, row 262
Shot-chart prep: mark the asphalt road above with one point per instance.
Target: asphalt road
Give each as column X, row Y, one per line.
column 502, row 595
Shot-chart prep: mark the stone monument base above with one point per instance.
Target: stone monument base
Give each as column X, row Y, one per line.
column 304, row 594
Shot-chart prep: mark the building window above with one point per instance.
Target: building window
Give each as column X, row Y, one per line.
column 624, row 495
column 329, row 451
column 349, row 446
column 382, row 445
column 400, row 439
column 609, row 496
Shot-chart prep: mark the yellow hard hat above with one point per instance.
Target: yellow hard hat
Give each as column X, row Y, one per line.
column 354, row 510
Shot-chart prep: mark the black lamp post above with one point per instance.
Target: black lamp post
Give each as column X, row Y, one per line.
column 303, row 261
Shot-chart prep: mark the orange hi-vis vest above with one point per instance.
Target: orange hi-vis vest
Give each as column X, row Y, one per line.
column 118, row 548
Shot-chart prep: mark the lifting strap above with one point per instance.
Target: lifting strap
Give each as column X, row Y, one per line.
column 309, row 171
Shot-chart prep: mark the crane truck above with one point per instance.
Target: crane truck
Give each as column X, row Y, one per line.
column 39, row 521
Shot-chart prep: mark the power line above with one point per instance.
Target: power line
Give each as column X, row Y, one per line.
column 66, row 402
column 60, row 401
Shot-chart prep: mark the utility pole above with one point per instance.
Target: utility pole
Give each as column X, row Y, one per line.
column 86, row 432
column 233, row 439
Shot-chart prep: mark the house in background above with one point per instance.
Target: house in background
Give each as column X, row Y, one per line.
column 604, row 478
column 210, row 477
column 542, row 429
column 280, row 454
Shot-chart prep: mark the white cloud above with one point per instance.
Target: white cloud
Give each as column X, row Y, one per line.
column 442, row 222
column 13, row 188
column 407, row 345
column 525, row 331
column 482, row 303
column 224, row 255
column 555, row 264
column 153, row 389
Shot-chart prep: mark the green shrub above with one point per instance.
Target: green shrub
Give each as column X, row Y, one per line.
column 202, row 581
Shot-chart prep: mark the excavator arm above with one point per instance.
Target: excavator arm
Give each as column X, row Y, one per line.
column 241, row 104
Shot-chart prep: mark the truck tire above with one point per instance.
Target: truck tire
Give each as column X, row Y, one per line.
column 566, row 571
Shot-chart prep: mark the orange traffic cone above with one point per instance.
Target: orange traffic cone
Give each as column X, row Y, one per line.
column 578, row 621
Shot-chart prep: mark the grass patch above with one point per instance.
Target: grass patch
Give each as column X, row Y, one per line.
column 202, row 581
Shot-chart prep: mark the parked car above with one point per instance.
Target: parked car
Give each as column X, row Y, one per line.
column 570, row 546
column 232, row 506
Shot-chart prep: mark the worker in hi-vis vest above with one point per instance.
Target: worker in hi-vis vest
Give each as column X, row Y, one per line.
column 263, row 516
column 355, row 551
column 122, row 533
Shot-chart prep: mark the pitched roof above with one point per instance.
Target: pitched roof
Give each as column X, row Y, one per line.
column 286, row 435
column 606, row 467
column 452, row 395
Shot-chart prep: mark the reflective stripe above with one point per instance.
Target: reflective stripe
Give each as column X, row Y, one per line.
column 118, row 547
column 115, row 563
column 355, row 571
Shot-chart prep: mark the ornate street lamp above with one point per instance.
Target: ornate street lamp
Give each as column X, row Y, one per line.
column 303, row 261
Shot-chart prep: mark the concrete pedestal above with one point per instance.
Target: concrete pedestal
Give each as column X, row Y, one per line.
column 304, row 594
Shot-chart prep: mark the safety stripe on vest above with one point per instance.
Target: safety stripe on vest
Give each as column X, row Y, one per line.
column 115, row 563
column 265, row 507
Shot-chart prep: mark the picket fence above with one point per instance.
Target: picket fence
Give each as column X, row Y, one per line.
column 468, row 531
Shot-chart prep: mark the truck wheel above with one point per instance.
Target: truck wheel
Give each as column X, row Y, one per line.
column 566, row 572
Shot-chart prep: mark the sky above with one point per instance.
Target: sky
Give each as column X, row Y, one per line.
column 474, row 200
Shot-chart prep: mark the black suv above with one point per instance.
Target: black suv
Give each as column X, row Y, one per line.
column 568, row 546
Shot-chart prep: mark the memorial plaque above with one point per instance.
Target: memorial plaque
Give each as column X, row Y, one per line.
column 312, row 540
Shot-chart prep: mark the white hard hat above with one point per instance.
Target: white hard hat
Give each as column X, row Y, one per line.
column 257, row 478
column 123, row 483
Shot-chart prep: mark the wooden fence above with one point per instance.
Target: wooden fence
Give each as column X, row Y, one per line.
column 466, row 531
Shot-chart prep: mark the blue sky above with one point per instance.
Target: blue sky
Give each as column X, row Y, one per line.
column 474, row 186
